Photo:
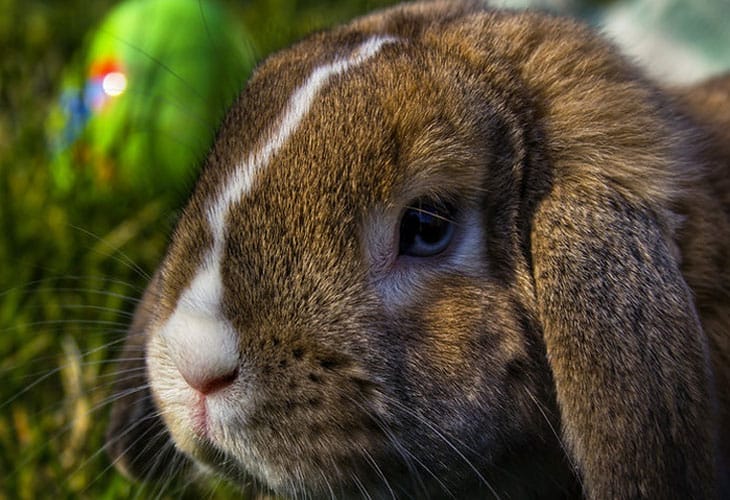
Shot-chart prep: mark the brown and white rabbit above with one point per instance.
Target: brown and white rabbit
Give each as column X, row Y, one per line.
column 445, row 251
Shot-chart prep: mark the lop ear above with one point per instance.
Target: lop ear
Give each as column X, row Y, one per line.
column 137, row 440
column 625, row 346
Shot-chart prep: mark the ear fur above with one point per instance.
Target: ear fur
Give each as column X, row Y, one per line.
column 137, row 440
column 625, row 346
column 623, row 338
column 624, row 342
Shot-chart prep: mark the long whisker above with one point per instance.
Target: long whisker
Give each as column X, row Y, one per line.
column 85, row 307
column 360, row 486
column 39, row 380
column 91, row 291
column 193, row 91
column 100, row 362
column 103, row 448
column 327, row 482
column 65, row 322
column 573, row 465
column 448, row 443
column 369, row 458
column 51, row 279
column 9, row 365
column 123, row 259
column 407, row 457
column 68, row 427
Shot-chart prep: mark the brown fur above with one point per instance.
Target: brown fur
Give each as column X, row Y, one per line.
column 586, row 352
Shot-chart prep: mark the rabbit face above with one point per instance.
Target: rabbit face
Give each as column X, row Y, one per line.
column 316, row 338
column 435, row 253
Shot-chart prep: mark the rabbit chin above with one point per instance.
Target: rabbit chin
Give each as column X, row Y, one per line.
column 214, row 432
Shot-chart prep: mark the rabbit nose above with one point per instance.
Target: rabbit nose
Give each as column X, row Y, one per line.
column 208, row 382
column 203, row 348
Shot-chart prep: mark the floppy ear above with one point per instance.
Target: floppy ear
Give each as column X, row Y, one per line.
column 625, row 346
column 137, row 440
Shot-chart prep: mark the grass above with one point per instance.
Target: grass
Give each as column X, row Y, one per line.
column 73, row 262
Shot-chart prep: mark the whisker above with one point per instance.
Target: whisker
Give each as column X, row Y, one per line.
column 327, row 483
column 47, row 375
column 85, row 307
column 378, row 471
column 137, row 370
column 407, row 457
column 51, row 279
column 448, row 443
column 160, row 63
column 103, row 448
column 171, row 475
column 63, row 430
column 152, row 439
column 9, row 365
column 115, row 375
column 90, row 291
column 64, row 322
column 122, row 259
column 360, row 486
column 573, row 466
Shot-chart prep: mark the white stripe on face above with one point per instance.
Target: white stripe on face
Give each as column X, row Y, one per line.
column 202, row 341
column 297, row 108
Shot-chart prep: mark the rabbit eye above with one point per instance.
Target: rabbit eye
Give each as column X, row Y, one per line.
column 426, row 229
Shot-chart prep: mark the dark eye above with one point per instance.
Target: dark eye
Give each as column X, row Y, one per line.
column 426, row 229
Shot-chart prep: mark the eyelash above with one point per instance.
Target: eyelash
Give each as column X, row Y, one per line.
column 426, row 228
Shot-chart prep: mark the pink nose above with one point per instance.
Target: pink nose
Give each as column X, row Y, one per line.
column 208, row 383
column 204, row 349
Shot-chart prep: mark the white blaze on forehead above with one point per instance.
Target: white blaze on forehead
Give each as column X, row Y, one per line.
column 201, row 341
column 296, row 109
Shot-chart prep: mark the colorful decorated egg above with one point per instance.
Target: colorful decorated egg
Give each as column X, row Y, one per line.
column 141, row 108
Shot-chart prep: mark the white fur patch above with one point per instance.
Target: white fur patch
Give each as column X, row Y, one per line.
column 201, row 341
column 297, row 108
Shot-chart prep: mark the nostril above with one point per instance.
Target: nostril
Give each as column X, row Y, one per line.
column 209, row 383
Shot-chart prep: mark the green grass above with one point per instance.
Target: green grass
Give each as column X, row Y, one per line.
column 73, row 263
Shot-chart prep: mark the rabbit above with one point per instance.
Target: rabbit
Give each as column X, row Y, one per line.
column 445, row 251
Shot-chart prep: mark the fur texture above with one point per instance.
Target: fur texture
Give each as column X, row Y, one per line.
column 573, row 340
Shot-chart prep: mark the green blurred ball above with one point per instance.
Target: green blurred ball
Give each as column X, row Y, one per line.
column 155, row 79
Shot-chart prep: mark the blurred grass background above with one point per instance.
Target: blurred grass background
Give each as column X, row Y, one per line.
column 72, row 262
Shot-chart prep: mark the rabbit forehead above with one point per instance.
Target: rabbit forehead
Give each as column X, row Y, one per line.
column 359, row 129
column 297, row 108
column 268, row 112
column 404, row 126
column 397, row 119
column 374, row 140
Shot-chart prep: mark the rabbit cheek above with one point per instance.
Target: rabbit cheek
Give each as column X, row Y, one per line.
column 453, row 331
column 472, row 385
column 469, row 342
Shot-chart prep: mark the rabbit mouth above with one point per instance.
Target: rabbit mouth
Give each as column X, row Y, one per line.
column 320, row 449
column 291, row 457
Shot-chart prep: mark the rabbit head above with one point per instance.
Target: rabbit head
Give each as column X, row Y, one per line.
column 431, row 253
